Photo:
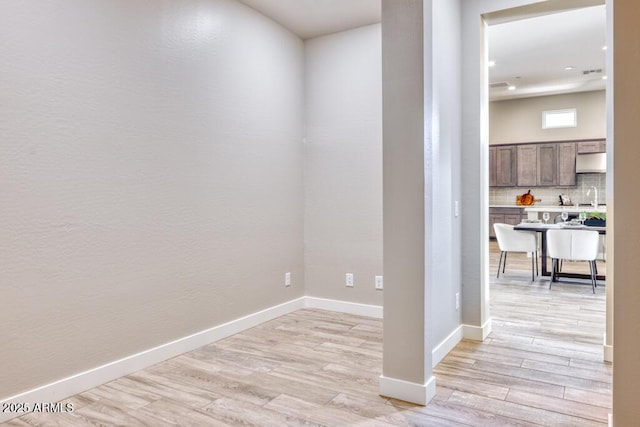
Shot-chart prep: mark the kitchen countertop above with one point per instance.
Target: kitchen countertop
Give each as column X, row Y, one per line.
column 576, row 209
column 555, row 208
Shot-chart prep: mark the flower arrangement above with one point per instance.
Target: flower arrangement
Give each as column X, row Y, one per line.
column 597, row 219
column 597, row 215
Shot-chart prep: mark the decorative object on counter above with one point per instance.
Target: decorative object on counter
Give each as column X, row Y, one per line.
column 596, row 219
column 565, row 200
column 526, row 199
column 546, row 216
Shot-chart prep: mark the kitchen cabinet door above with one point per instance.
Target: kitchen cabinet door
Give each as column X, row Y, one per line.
column 547, row 162
column 527, row 165
column 513, row 219
column 567, row 163
column 494, row 219
column 511, row 216
column 592, row 146
column 506, row 164
column 492, row 167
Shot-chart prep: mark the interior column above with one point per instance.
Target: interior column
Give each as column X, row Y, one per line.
column 407, row 373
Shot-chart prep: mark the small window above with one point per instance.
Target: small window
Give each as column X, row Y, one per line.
column 559, row 119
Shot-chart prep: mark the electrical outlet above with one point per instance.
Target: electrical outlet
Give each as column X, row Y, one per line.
column 287, row 279
column 457, row 300
column 378, row 283
column 349, row 280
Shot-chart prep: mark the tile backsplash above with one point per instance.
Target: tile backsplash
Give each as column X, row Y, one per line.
column 549, row 195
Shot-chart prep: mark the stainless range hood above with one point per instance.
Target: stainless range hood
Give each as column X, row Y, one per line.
column 591, row 163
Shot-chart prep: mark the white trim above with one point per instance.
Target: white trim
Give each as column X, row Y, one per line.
column 374, row 311
column 607, row 353
column 607, row 350
column 420, row 394
column 610, row 420
column 66, row 387
column 77, row 383
column 476, row 333
column 442, row 349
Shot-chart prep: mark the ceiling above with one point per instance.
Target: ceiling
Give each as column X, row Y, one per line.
column 530, row 54
column 313, row 18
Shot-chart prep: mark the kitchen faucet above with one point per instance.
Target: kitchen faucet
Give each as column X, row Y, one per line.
column 595, row 196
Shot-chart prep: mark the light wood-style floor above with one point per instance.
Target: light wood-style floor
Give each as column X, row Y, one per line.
column 542, row 365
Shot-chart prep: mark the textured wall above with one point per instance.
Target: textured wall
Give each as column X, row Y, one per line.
column 150, row 177
column 520, row 120
column 443, row 175
column 343, row 165
column 406, row 356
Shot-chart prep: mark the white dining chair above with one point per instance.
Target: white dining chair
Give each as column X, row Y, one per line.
column 574, row 245
column 510, row 240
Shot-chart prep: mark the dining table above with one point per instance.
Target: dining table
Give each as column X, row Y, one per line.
column 542, row 229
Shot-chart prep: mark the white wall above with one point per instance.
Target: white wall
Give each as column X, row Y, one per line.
column 520, row 120
column 151, row 177
column 443, row 172
column 343, row 165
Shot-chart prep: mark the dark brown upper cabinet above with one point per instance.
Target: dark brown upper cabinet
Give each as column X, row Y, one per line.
column 547, row 162
column 567, row 163
column 527, row 165
column 537, row 164
column 504, row 166
column 597, row 146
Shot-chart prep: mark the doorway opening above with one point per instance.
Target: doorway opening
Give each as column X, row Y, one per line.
column 550, row 62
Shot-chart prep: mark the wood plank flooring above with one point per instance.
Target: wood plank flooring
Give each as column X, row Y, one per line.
column 541, row 366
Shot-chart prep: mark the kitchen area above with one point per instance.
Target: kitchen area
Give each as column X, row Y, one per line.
column 562, row 168
column 529, row 179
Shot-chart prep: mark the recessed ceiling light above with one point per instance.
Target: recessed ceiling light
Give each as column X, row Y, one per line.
column 491, row 63
column 604, row 48
column 569, row 67
column 512, row 88
column 604, row 77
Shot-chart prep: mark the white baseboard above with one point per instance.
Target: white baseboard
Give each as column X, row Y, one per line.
column 610, row 420
column 374, row 311
column 476, row 333
column 607, row 353
column 420, row 394
column 66, row 387
column 607, row 350
column 442, row 349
